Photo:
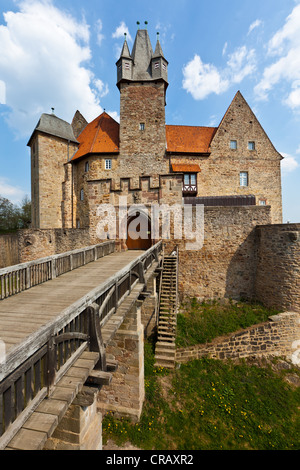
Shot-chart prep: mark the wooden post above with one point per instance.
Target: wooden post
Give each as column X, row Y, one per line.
column 95, row 337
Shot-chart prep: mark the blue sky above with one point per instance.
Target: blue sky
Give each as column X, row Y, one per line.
column 62, row 54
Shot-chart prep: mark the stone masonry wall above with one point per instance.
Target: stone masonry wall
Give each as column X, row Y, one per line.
column 225, row 266
column 9, row 254
column 142, row 152
column 277, row 282
column 125, row 394
column 48, row 155
column 34, row 243
column 278, row 337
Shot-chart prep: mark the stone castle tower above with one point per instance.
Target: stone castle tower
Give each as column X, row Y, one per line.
column 142, row 78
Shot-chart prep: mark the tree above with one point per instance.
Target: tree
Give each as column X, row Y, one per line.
column 14, row 217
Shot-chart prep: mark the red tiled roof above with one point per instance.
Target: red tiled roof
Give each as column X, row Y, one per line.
column 189, row 139
column 185, row 168
column 99, row 136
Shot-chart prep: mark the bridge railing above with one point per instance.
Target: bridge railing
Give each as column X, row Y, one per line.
column 17, row 278
column 31, row 370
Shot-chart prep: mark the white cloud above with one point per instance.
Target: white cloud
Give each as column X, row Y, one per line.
column 254, row 25
column 201, row 79
column 2, row 92
column 121, row 30
column 101, row 87
column 44, row 56
column 242, row 62
column 284, row 46
column 10, row 192
column 289, row 163
column 100, row 35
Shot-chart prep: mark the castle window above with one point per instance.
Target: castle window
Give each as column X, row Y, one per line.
column 108, row 164
column 189, row 184
column 233, row 144
column 142, row 126
column 81, row 194
column 251, row 145
column 86, row 166
column 244, row 178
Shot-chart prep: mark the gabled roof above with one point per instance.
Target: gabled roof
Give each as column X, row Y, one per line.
column 99, row 136
column 189, row 139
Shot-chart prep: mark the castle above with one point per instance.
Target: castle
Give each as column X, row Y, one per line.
column 233, row 170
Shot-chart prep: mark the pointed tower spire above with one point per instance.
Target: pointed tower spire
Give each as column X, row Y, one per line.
column 159, row 63
column 125, row 50
column 125, row 63
column 158, row 50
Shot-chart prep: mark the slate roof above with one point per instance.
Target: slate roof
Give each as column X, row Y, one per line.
column 51, row 124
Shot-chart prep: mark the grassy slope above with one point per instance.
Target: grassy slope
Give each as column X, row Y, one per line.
column 209, row 404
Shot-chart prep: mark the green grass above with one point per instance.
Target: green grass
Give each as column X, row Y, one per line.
column 212, row 405
column 200, row 322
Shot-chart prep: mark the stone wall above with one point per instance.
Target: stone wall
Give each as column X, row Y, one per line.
column 142, row 152
column 35, row 243
column 48, row 156
column 125, row 395
column 278, row 337
column 277, row 281
column 9, row 254
column 225, row 266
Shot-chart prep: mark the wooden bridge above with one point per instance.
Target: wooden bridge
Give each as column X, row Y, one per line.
column 57, row 316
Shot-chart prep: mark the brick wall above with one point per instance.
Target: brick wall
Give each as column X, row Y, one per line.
column 280, row 337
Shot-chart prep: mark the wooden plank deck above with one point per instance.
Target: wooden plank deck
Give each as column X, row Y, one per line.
column 24, row 313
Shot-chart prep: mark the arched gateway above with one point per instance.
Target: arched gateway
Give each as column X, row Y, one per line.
column 138, row 231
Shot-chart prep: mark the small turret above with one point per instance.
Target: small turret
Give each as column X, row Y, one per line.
column 124, row 64
column 159, row 63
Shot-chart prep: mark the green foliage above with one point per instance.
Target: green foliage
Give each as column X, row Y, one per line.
column 200, row 322
column 14, row 217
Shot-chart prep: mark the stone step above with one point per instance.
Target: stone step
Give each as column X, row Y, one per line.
column 165, row 345
column 161, row 362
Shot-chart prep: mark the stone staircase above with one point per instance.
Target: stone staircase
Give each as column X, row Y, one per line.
column 166, row 331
